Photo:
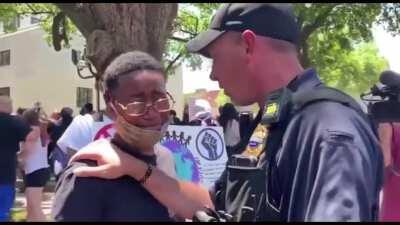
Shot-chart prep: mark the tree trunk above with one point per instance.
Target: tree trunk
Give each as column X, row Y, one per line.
column 112, row 29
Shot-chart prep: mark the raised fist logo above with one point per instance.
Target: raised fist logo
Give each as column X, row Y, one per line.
column 210, row 143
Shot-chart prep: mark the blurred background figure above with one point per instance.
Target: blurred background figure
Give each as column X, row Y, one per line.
column 229, row 120
column 87, row 109
column 185, row 116
column 389, row 134
column 13, row 130
column 36, row 167
column 174, row 120
column 55, row 116
column 20, row 111
column 245, row 121
column 200, row 114
column 57, row 129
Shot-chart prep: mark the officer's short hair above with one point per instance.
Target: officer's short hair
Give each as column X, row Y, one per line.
column 127, row 63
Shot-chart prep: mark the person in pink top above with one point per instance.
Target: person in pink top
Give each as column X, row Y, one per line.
column 390, row 140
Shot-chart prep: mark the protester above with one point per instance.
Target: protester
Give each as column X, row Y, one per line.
column 229, row 120
column 245, row 121
column 319, row 160
column 185, row 117
column 56, row 130
column 20, row 111
column 88, row 128
column 201, row 114
column 134, row 86
column 12, row 131
column 36, row 167
column 174, row 120
column 87, row 109
column 390, row 141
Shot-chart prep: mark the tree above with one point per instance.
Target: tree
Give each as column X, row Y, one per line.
column 328, row 31
column 109, row 29
column 324, row 27
column 356, row 71
column 391, row 18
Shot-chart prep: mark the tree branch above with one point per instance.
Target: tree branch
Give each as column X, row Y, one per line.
column 33, row 11
column 318, row 22
column 188, row 32
column 174, row 61
column 79, row 16
column 179, row 39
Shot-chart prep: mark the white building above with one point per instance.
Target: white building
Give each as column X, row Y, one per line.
column 32, row 71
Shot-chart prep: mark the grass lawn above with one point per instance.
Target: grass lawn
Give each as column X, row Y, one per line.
column 18, row 215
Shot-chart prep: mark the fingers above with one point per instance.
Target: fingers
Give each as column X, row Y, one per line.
column 89, row 155
column 89, row 171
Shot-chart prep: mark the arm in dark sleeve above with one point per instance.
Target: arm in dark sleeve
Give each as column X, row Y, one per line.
column 77, row 198
column 336, row 178
column 340, row 190
column 217, row 192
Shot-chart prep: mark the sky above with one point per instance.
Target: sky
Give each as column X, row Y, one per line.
column 389, row 48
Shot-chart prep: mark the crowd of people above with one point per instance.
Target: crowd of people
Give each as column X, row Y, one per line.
column 310, row 154
column 57, row 137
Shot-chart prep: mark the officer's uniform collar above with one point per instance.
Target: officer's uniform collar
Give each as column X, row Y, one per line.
column 308, row 79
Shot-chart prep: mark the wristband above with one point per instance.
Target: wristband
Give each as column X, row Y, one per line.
column 148, row 173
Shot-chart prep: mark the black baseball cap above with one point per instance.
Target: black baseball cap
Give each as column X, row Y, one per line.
column 274, row 20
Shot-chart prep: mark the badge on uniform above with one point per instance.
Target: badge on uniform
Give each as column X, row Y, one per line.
column 275, row 110
column 257, row 141
column 276, row 106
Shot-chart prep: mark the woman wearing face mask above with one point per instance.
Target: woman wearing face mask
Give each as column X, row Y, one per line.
column 134, row 85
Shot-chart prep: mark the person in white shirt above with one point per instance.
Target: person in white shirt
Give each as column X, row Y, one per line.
column 85, row 129
column 35, row 165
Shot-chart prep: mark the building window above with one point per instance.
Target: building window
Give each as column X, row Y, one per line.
column 11, row 24
column 5, row 58
column 5, row 91
column 83, row 96
column 35, row 20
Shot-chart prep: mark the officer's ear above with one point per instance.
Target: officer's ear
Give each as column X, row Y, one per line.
column 249, row 38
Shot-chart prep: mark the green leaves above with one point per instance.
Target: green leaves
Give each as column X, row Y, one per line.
column 352, row 71
column 337, row 37
column 192, row 19
column 44, row 11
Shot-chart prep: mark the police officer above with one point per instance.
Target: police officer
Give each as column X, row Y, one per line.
column 320, row 158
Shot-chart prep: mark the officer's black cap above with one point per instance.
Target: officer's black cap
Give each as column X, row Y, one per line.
column 274, row 20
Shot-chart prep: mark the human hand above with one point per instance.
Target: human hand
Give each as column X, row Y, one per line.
column 111, row 162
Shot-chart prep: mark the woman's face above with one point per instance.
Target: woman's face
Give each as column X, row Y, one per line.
column 142, row 86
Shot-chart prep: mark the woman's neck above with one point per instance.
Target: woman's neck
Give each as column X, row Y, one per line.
column 131, row 148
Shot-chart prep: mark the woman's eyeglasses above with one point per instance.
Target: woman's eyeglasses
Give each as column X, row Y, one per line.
column 139, row 108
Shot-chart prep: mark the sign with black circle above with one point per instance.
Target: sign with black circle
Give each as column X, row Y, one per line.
column 209, row 144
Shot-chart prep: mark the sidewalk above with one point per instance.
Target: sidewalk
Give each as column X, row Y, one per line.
column 20, row 202
column 48, row 196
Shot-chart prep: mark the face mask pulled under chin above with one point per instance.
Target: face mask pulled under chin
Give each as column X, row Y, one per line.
column 143, row 139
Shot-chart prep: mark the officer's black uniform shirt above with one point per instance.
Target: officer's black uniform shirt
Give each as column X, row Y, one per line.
column 96, row 199
column 330, row 164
